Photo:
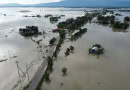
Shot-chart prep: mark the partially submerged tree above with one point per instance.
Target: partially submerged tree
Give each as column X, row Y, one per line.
column 50, row 63
column 72, row 48
column 47, row 77
column 127, row 18
column 67, row 52
column 52, row 41
column 120, row 25
column 64, row 70
column 62, row 34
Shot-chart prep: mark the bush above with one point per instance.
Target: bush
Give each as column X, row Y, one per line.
column 52, row 41
column 127, row 18
column 71, row 48
column 64, row 70
column 120, row 25
column 106, row 19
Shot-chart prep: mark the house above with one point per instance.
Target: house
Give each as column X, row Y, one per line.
column 96, row 49
column 56, row 30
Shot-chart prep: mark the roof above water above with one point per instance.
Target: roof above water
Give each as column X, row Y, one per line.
column 95, row 48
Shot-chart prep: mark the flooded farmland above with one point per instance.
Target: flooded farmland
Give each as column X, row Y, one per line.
column 110, row 71
column 14, row 47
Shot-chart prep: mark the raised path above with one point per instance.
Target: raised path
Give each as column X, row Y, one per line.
column 39, row 73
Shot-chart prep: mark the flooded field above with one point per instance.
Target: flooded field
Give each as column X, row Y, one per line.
column 110, row 71
column 14, row 47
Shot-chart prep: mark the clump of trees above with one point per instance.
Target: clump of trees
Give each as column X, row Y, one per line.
column 52, row 41
column 29, row 30
column 54, row 18
column 62, row 34
column 47, row 77
column 50, row 63
column 67, row 53
column 106, row 19
column 120, row 25
column 117, row 14
column 48, row 15
column 58, row 47
column 72, row 49
column 78, row 34
column 69, row 50
column 111, row 20
column 127, row 19
column 33, row 16
column 64, row 71
column 73, row 24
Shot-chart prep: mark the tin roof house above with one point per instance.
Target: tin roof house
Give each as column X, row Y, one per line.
column 96, row 49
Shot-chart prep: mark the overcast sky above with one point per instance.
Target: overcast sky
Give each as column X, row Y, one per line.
column 27, row 1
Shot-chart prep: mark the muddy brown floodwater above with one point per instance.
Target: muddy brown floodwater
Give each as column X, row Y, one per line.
column 110, row 71
column 24, row 50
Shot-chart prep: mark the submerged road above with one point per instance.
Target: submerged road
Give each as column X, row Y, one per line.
column 38, row 75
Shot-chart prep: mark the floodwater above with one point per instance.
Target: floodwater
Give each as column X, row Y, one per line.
column 14, row 47
column 110, row 71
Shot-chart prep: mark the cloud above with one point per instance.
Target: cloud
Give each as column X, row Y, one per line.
column 28, row 1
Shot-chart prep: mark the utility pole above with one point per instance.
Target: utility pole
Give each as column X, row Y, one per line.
column 9, row 56
column 27, row 71
column 22, row 71
column 18, row 72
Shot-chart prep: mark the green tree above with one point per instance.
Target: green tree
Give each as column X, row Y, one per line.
column 50, row 63
column 72, row 48
column 47, row 77
column 64, row 70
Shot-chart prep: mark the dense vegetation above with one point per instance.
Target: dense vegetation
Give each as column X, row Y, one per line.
column 54, row 18
column 106, row 19
column 77, row 23
column 127, row 19
column 111, row 20
column 52, row 41
column 120, row 25
column 29, row 30
column 64, row 71
column 69, row 50
column 78, row 34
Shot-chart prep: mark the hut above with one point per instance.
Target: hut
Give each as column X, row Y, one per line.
column 96, row 49
column 56, row 30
